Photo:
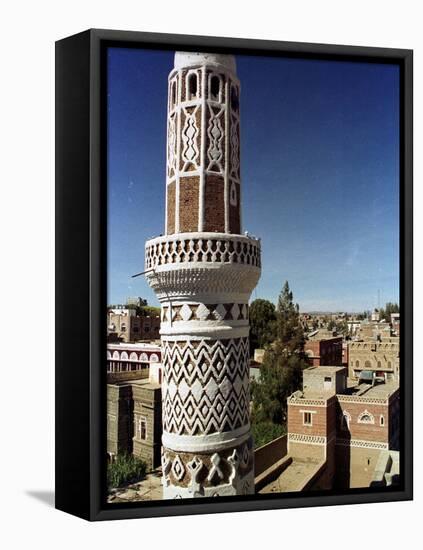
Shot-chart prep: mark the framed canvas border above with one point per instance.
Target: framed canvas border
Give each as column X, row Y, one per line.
column 81, row 272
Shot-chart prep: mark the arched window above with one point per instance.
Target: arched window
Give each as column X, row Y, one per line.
column 192, row 86
column 367, row 365
column 379, row 365
column 215, row 87
column 154, row 358
column 232, row 195
column 366, row 418
column 173, row 93
column 116, row 355
column 389, row 365
column 234, row 99
column 124, row 356
column 133, row 356
column 144, row 357
column 357, row 364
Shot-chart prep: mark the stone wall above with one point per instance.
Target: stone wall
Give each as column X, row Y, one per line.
column 119, row 419
column 377, row 356
column 147, row 409
column 267, row 455
column 326, row 352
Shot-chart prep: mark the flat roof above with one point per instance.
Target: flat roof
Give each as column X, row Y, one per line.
column 146, row 383
column 378, row 390
column 325, row 369
column 133, row 345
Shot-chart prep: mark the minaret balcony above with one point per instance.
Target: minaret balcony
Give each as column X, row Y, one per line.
column 189, row 265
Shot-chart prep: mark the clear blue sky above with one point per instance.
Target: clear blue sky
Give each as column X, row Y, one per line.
column 320, row 175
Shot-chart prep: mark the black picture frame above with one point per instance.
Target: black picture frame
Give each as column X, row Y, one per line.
column 81, row 205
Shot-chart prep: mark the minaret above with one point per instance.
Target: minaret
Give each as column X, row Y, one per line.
column 203, row 272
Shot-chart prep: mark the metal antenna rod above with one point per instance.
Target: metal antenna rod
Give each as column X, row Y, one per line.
column 167, row 295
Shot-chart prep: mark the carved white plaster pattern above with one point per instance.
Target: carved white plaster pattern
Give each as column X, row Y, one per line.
column 202, row 247
column 171, row 159
column 205, row 388
column 234, row 141
column 190, row 132
column 204, row 281
column 362, row 399
column 215, row 470
column 215, row 134
column 178, row 468
column 362, row 443
column 309, row 439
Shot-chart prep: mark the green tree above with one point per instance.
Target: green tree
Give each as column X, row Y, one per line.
column 145, row 311
column 262, row 324
column 280, row 376
column 385, row 313
column 281, row 371
column 342, row 327
column 266, row 431
column 331, row 325
column 289, row 330
column 124, row 470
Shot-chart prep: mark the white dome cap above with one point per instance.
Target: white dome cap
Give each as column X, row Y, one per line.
column 189, row 59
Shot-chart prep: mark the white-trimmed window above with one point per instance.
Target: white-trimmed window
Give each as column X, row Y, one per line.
column 233, row 195
column 307, row 418
column 142, row 427
column 215, row 87
column 173, row 93
column 366, row 418
column 192, row 86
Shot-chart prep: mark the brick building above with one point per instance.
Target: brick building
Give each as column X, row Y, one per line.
column 124, row 325
column 379, row 356
column 132, row 361
column 347, row 432
column 324, row 350
column 147, row 422
column 134, row 408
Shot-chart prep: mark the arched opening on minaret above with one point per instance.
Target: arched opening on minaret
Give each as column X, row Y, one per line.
column 215, row 88
column 192, row 86
column 173, row 94
column 234, row 99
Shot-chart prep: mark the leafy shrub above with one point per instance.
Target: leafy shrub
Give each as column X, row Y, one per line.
column 266, row 431
column 125, row 469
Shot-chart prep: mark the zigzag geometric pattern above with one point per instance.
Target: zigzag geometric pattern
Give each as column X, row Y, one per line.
column 172, row 249
column 206, row 386
column 205, row 312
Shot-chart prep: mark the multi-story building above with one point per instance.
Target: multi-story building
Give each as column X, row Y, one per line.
column 132, row 361
column 134, row 409
column 134, row 423
column 338, row 436
column 380, row 356
column 344, row 427
column 395, row 322
column 124, row 325
column 323, row 350
column 369, row 329
column 147, row 422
